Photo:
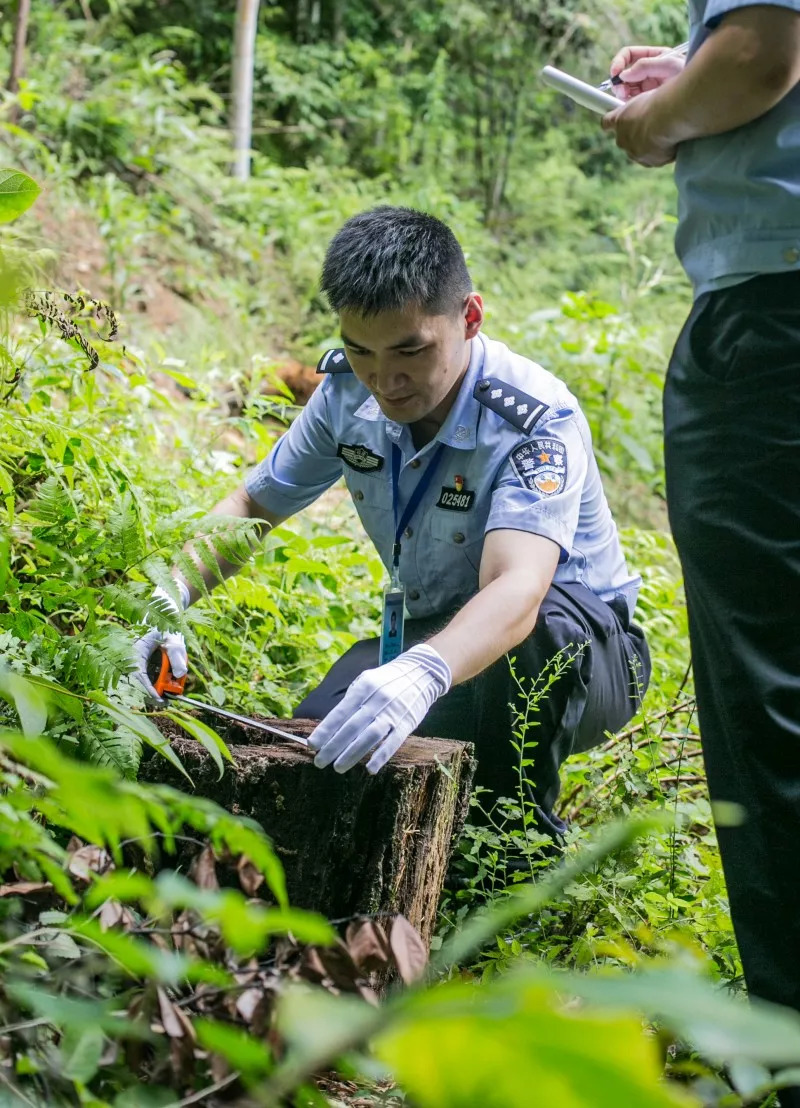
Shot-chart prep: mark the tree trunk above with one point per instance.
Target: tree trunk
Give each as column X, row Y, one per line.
column 20, row 38
column 350, row 843
column 242, row 85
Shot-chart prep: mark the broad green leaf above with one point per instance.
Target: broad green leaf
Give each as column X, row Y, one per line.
column 455, row 1048
column 81, row 1051
column 145, row 1096
column 17, row 192
column 241, row 1051
column 317, row 1027
column 58, row 695
column 721, row 1028
column 206, row 736
column 29, row 701
column 245, row 925
column 119, row 885
column 7, row 489
column 78, row 1014
column 139, row 958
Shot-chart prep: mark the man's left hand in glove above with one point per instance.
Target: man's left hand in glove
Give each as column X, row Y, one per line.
column 380, row 710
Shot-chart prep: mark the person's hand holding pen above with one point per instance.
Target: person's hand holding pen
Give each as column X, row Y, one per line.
column 637, row 69
column 637, row 72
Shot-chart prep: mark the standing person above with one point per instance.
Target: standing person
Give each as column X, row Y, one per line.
column 472, row 471
column 731, row 120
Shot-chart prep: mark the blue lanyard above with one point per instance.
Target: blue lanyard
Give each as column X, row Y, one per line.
column 414, row 500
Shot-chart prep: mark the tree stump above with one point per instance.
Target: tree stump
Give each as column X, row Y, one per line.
column 350, row 843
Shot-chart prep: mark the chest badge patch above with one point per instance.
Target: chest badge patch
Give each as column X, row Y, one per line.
column 455, row 498
column 541, row 465
column 359, row 457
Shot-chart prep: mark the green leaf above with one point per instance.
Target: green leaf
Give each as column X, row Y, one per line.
column 206, row 736
column 7, row 489
column 456, row 1047
column 17, row 192
column 721, row 1028
column 81, row 1051
column 145, row 1096
column 241, row 1051
column 137, row 957
column 78, row 1014
column 142, row 728
column 30, row 702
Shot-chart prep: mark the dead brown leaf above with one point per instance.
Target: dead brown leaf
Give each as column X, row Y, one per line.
column 168, row 1014
column 368, row 945
column 250, row 878
column 22, row 888
column 114, row 914
column 204, row 870
column 408, row 949
column 247, row 1003
column 87, row 860
column 174, row 1020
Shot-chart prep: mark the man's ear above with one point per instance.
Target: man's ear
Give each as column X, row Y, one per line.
column 473, row 315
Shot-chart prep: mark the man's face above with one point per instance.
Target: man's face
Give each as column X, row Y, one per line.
column 410, row 361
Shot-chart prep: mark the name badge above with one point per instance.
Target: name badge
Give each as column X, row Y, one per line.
column 394, row 603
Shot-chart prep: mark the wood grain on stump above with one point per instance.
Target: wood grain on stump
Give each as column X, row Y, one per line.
column 350, row 843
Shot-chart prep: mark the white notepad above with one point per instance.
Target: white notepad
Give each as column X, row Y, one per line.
column 586, row 95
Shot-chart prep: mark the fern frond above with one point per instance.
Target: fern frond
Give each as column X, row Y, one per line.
column 129, row 604
column 207, row 555
column 176, row 527
column 190, row 572
column 99, row 661
column 156, row 569
column 52, row 504
column 237, row 549
column 117, row 748
column 125, row 529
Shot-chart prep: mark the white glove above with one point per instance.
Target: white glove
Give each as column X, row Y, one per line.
column 172, row 641
column 380, row 710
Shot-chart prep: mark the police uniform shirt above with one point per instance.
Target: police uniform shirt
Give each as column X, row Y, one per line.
column 517, row 454
column 739, row 192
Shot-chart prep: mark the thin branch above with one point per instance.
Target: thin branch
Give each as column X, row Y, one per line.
column 195, row 1098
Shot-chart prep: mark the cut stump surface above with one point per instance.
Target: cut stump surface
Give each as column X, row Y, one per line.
column 350, row 843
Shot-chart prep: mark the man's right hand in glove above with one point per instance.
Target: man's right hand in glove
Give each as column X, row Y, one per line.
column 172, row 641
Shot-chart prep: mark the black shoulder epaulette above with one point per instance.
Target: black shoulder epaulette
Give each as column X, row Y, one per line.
column 334, row 361
column 509, row 402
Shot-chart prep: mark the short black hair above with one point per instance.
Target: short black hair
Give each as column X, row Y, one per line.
column 388, row 258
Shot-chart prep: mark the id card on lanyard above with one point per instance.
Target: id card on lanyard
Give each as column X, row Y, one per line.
column 394, row 595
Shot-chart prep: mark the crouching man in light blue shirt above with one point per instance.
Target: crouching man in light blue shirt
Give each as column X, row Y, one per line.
column 472, row 471
column 731, row 121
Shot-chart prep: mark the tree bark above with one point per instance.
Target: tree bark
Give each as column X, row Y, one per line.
column 20, row 38
column 351, row 844
column 242, row 85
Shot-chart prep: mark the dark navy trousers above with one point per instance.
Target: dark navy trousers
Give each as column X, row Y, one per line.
column 600, row 691
column 732, row 425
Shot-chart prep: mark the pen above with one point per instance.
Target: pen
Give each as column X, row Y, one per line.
column 676, row 52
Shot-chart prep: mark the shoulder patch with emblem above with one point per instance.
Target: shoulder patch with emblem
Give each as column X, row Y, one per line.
column 541, row 465
column 334, row 361
column 359, row 457
column 518, row 407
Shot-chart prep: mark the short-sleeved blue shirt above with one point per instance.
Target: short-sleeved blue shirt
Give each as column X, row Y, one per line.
column 739, row 192
column 492, row 474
